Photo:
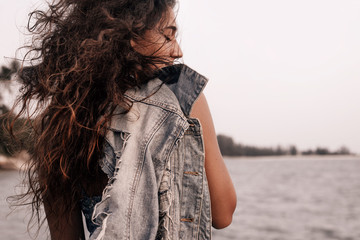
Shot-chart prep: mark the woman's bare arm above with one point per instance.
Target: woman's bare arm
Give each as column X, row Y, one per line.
column 65, row 227
column 222, row 192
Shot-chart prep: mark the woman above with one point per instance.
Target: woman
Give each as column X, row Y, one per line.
column 123, row 134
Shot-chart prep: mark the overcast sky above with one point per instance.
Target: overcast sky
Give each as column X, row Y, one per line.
column 281, row 71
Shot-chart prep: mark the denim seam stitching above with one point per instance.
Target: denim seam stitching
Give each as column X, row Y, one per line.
column 139, row 169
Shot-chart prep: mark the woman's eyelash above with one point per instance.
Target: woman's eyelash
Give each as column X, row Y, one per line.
column 167, row 38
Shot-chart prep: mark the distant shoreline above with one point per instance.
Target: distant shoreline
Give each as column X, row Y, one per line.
column 13, row 163
column 16, row 163
column 295, row 157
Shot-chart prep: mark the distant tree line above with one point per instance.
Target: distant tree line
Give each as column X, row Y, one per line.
column 229, row 148
column 324, row 151
column 7, row 71
column 9, row 146
column 5, row 76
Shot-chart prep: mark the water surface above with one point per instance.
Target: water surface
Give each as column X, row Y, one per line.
column 279, row 198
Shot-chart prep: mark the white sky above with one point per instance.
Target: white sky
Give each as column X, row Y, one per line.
column 281, row 71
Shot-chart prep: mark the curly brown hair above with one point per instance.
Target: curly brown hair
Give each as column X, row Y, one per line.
column 81, row 64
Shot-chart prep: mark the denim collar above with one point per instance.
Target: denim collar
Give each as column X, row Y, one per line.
column 185, row 83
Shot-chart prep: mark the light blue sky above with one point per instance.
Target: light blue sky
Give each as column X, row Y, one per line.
column 281, row 71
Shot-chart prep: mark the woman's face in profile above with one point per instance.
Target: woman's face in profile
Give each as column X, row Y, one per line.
column 160, row 41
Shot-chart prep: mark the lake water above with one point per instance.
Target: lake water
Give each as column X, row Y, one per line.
column 279, row 198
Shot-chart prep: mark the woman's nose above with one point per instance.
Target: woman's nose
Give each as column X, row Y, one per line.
column 176, row 51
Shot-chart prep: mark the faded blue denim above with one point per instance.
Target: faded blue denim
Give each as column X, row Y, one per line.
column 154, row 158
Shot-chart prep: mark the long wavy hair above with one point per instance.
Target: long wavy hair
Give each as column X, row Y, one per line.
column 81, row 64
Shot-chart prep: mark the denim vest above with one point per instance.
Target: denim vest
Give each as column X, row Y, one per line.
column 154, row 158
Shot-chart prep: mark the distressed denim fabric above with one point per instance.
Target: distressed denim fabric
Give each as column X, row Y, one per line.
column 154, row 158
